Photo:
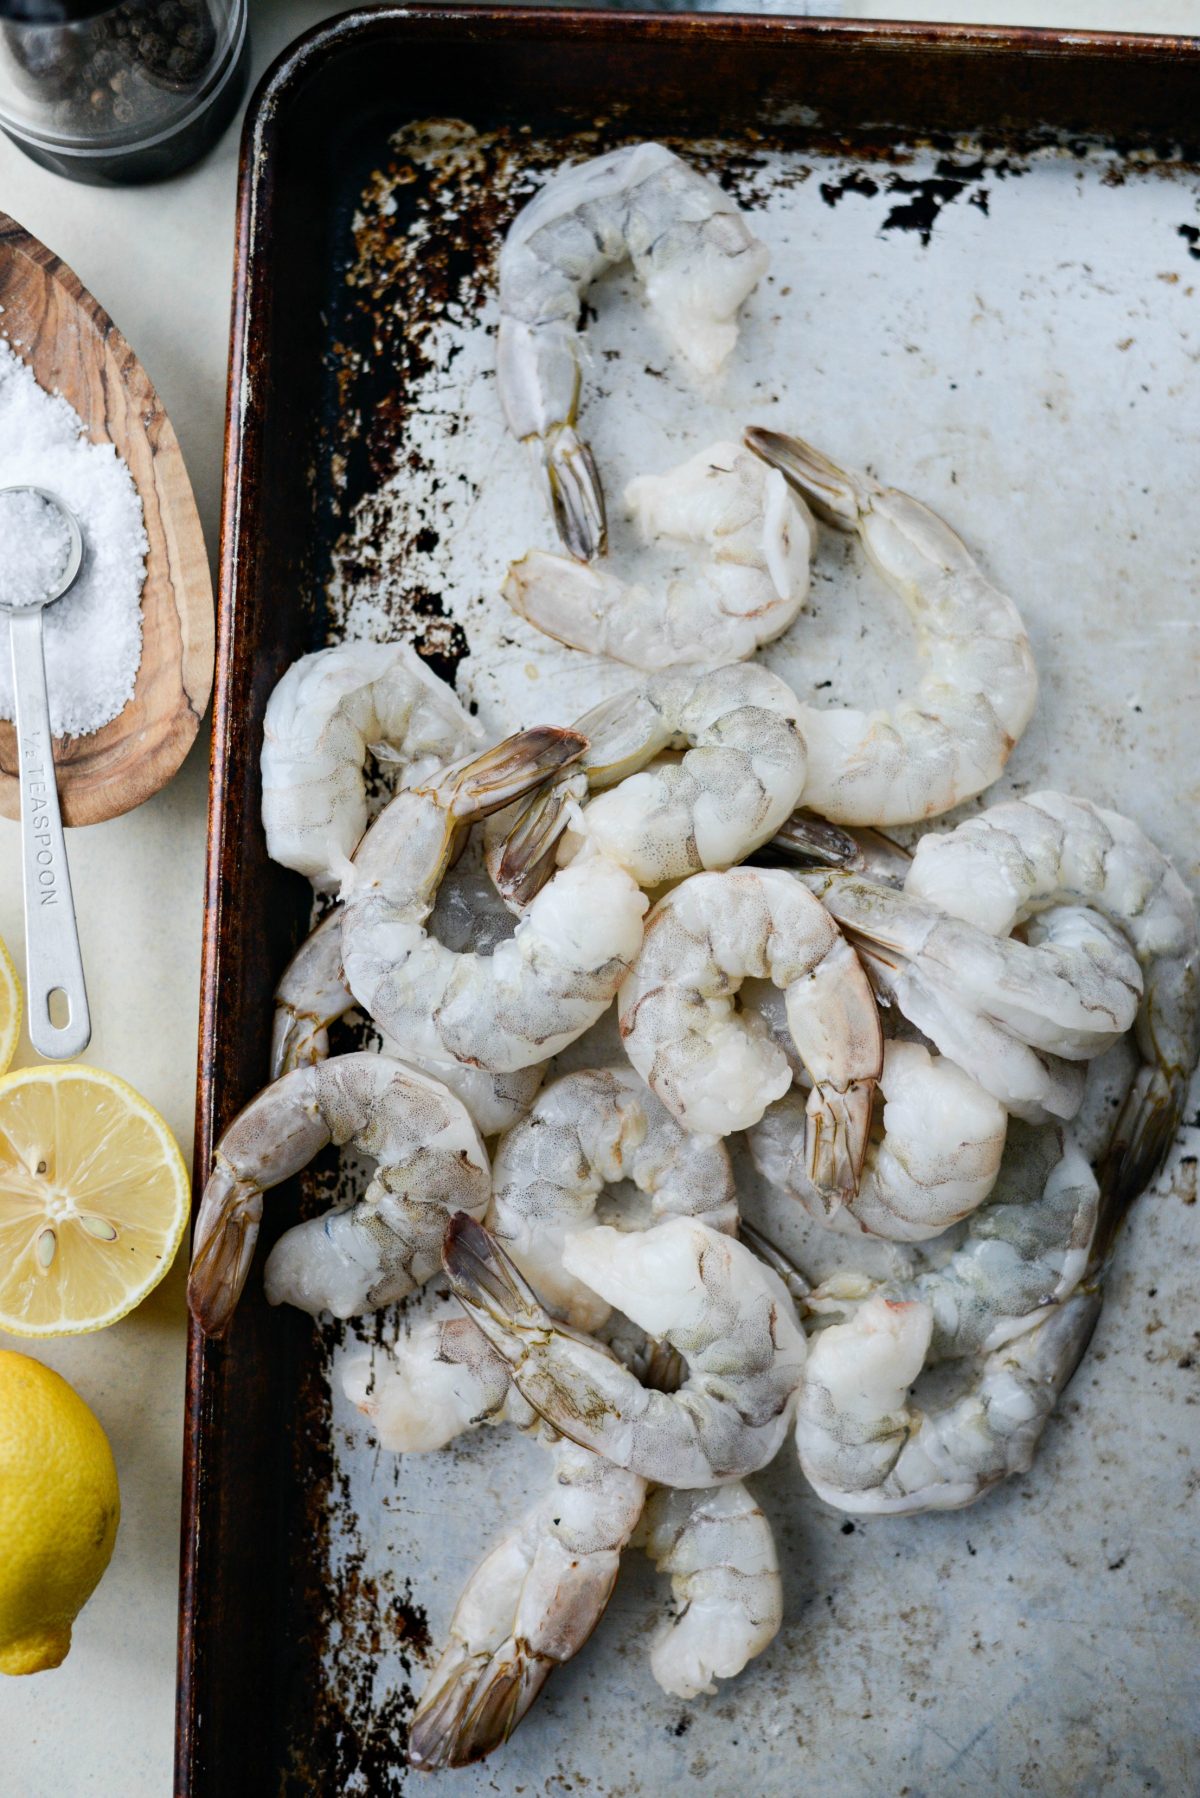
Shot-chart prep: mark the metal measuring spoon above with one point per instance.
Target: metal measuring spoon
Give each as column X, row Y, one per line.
column 53, row 964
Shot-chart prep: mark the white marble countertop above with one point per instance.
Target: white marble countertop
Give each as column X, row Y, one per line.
column 159, row 260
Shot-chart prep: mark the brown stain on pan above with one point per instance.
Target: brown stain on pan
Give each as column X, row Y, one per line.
column 350, row 1730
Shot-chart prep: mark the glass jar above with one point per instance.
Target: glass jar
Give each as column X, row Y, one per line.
column 112, row 94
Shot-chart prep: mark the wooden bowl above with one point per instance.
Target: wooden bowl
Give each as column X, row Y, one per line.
column 51, row 320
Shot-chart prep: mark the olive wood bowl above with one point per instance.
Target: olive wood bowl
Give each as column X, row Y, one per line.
column 71, row 344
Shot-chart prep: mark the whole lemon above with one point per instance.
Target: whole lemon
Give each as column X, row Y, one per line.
column 59, row 1509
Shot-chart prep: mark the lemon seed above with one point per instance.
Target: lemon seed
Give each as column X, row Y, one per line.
column 47, row 1245
column 99, row 1228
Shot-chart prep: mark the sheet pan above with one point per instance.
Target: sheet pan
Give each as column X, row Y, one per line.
column 985, row 255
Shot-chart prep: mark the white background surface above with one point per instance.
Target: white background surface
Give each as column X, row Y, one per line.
column 159, row 259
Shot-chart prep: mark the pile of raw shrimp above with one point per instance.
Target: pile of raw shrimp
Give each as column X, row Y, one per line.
column 666, row 1355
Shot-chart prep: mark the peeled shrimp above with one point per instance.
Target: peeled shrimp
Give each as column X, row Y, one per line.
column 865, row 1449
column 936, row 1160
column 696, row 258
column 1024, row 855
column 431, row 1163
column 586, row 1131
column 538, row 990
column 954, row 736
column 718, row 1548
column 321, row 718
column 729, row 1317
column 1072, row 989
column 1028, row 1247
column 312, row 994
column 529, row 1606
column 759, row 540
column 714, row 1072
column 738, row 780
column 441, row 1377
column 1029, row 1083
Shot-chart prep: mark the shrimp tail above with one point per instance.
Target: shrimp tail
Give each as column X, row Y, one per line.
column 475, row 1705
column 836, row 497
column 298, row 1039
column 1063, row 1340
column 566, row 600
column 1141, row 1142
column 576, row 493
column 223, row 1248
column 839, row 1127
column 312, row 994
column 814, row 843
column 774, row 1258
column 486, row 1283
column 527, row 856
column 486, row 783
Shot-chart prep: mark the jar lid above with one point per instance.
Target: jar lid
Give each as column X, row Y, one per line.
column 53, row 12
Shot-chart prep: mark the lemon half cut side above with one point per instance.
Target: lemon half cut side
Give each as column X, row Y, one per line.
column 93, row 1199
column 10, row 1008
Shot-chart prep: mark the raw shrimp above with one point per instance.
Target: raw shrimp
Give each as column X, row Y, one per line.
column 729, row 1316
column 538, row 990
column 740, row 777
column 1071, row 989
column 529, row 1606
column 442, row 1377
column 718, row 1548
column 936, row 1161
column 321, row 718
column 1027, row 1248
column 312, row 994
column 1029, row 1083
column 1026, row 1081
column 696, row 258
column 954, row 736
column 865, row 1449
column 431, row 1163
column 759, row 540
column 586, row 1131
column 1022, row 856
column 713, row 1071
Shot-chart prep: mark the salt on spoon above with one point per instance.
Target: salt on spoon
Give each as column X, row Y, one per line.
column 41, row 554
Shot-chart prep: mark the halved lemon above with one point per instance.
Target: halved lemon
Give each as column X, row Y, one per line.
column 93, row 1199
column 10, row 1008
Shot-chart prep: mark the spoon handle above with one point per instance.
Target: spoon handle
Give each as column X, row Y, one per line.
column 53, row 963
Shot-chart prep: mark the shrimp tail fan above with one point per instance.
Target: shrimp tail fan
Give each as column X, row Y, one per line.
column 576, row 494
column 1141, row 1142
column 826, row 488
column 226, row 1232
column 484, row 1279
column 475, row 1706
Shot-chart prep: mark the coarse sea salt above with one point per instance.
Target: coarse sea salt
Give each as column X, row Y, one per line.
column 36, row 546
column 93, row 635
